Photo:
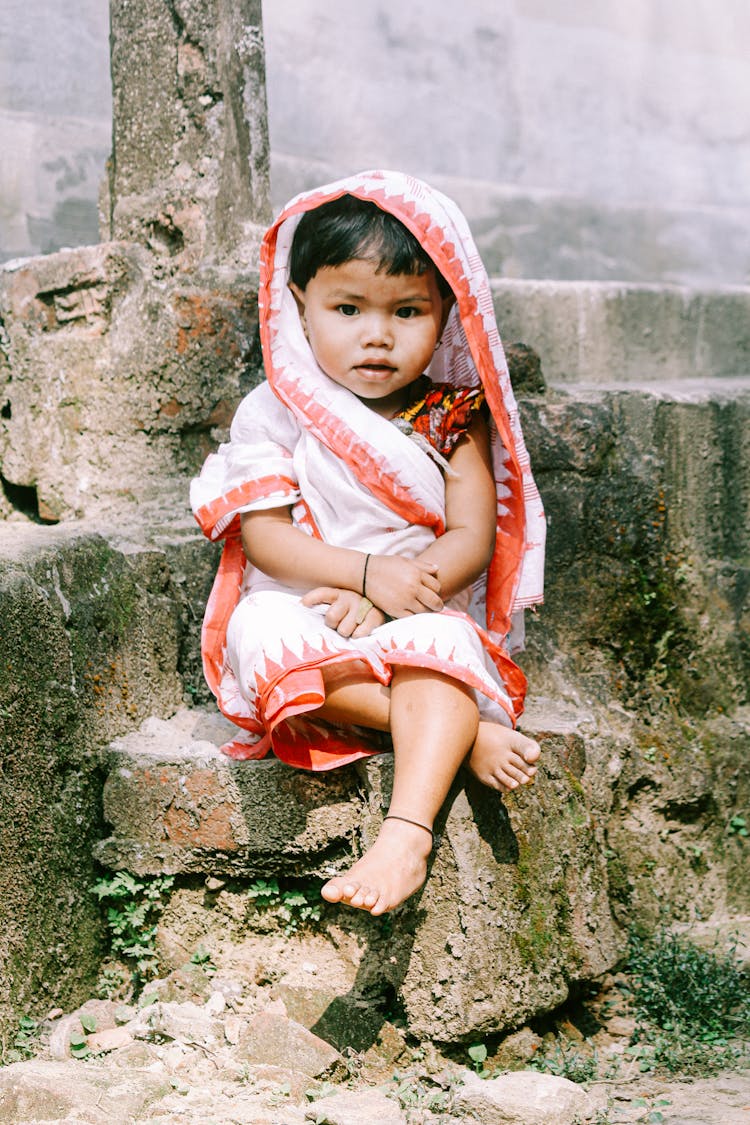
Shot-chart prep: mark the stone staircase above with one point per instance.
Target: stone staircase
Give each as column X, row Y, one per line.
column 641, row 453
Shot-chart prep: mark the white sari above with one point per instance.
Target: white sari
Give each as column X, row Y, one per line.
column 354, row 480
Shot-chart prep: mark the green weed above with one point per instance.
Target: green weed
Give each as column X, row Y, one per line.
column 295, row 907
column 133, row 907
column 24, row 1043
column 203, row 959
column 416, row 1093
column 478, row 1055
column 692, row 1005
column 567, row 1062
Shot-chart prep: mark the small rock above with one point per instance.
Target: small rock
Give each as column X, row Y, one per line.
column 570, row 1031
column 390, row 1044
column 186, row 1021
column 54, row 1014
column 525, row 1097
column 59, row 1040
column 274, row 1039
column 233, row 1028
column 214, row 885
column 274, row 1078
column 215, row 1004
column 102, row 1012
column 515, row 1050
column 357, row 1107
column 230, row 989
column 620, row 1025
column 110, row 1039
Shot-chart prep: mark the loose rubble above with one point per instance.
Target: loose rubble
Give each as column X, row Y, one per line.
column 204, row 1048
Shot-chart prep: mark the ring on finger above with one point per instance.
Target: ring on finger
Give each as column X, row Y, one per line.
column 364, row 608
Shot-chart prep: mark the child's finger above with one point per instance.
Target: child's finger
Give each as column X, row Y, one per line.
column 432, row 582
column 319, row 595
column 428, row 599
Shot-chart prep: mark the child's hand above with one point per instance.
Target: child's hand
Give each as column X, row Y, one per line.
column 401, row 587
column 345, row 612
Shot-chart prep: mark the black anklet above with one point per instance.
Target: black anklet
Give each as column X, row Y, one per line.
column 416, row 823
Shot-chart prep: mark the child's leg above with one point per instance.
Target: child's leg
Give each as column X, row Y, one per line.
column 500, row 758
column 433, row 722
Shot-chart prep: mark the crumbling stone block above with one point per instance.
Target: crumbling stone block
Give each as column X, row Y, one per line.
column 117, row 382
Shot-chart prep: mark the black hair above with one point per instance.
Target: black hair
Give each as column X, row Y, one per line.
column 349, row 227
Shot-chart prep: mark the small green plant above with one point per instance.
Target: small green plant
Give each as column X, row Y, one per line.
column 25, row 1041
column 295, row 907
column 416, row 1092
column 567, row 1062
column 79, row 1047
column 114, row 983
column 738, row 826
column 690, row 1004
column 203, row 959
column 133, row 907
column 478, row 1055
column 323, row 1090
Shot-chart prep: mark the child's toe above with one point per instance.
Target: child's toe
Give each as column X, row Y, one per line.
column 331, row 892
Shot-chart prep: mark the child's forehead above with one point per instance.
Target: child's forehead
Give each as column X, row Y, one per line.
column 371, row 271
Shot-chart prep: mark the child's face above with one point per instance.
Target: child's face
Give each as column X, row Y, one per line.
column 372, row 332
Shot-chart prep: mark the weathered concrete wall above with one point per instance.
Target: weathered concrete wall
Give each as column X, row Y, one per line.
column 629, row 335
column 584, row 141
column 55, row 123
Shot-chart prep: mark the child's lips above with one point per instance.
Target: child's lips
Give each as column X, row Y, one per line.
column 375, row 370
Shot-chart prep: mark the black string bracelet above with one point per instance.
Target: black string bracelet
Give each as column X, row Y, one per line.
column 364, row 577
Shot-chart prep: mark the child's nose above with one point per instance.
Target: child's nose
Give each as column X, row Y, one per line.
column 376, row 331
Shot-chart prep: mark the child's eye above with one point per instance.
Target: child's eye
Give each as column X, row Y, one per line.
column 406, row 312
column 347, row 310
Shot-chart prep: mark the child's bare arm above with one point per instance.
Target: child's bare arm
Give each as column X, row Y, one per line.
column 275, row 546
column 465, row 549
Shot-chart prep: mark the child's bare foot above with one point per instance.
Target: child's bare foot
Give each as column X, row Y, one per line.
column 386, row 875
column 503, row 758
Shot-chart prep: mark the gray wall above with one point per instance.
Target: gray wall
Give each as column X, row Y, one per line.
column 584, row 138
column 55, row 112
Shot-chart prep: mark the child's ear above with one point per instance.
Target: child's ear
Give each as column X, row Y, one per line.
column 299, row 297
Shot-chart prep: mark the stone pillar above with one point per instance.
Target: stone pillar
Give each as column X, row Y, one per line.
column 121, row 364
column 189, row 169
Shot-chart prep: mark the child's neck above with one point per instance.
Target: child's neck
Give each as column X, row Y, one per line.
column 396, row 403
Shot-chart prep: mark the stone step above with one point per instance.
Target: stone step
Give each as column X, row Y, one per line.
column 623, row 334
column 515, row 906
column 176, row 805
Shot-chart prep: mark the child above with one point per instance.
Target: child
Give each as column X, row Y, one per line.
column 380, row 519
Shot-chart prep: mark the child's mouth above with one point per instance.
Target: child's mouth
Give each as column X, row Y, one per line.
column 375, row 369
